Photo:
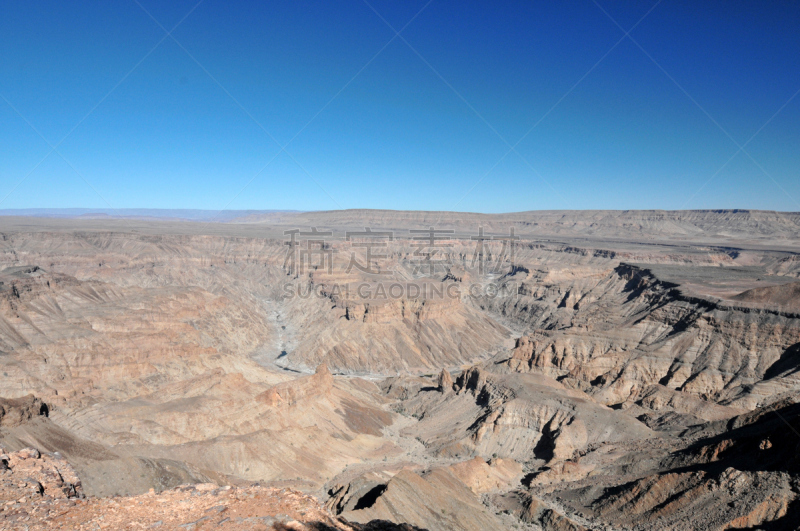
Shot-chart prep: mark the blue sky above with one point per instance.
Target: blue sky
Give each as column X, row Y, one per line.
column 426, row 120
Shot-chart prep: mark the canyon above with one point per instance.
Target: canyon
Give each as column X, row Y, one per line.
column 361, row 369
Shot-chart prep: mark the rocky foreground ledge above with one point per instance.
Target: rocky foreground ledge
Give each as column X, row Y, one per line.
column 40, row 491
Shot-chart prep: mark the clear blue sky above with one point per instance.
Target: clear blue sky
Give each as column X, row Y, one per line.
column 383, row 126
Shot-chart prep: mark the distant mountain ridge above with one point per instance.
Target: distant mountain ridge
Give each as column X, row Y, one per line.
column 717, row 225
column 721, row 225
column 137, row 213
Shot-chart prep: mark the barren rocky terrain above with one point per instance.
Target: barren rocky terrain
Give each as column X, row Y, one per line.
column 401, row 370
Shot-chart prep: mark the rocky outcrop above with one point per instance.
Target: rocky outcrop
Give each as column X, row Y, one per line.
column 534, row 511
column 391, row 310
column 445, row 381
column 16, row 411
column 318, row 384
column 437, row 500
column 30, row 479
column 483, row 476
column 191, row 506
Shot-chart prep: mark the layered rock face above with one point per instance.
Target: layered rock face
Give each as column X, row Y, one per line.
column 527, row 418
column 657, row 334
column 72, row 339
column 618, row 370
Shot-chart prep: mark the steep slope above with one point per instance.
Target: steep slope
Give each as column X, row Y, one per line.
column 785, row 297
column 738, row 474
column 523, row 417
column 627, row 331
column 385, row 336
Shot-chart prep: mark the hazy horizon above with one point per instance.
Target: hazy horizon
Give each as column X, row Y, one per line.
column 207, row 215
